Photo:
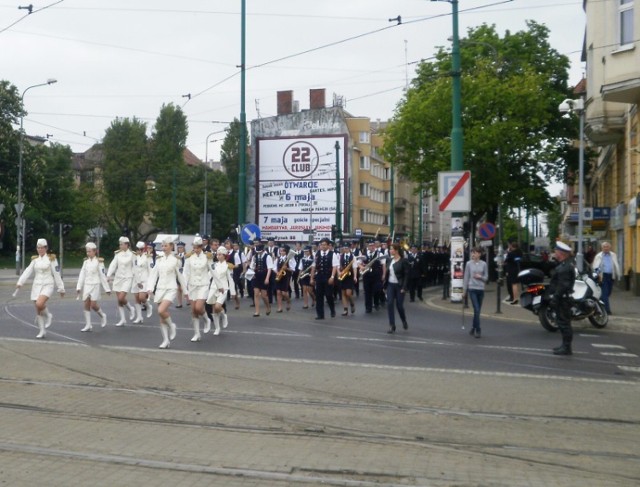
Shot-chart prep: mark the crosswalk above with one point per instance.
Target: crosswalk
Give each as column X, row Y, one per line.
column 625, row 360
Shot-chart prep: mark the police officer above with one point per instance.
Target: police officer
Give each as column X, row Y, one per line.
column 560, row 289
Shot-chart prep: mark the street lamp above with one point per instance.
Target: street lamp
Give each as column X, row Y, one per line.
column 206, row 171
column 20, row 205
column 577, row 106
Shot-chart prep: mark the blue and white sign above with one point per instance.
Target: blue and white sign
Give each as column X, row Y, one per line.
column 249, row 233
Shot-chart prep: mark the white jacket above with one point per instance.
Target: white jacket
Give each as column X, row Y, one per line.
column 597, row 263
column 222, row 281
column 47, row 272
column 93, row 273
column 166, row 274
column 141, row 269
column 122, row 265
column 198, row 269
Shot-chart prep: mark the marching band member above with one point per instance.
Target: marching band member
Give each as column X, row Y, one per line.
column 92, row 276
column 372, row 274
column 47, row 274
column 284, row 268
column 348, row 277
column 238, row 259
column 298, row 257
column 141, row 267
column 166, row 277
column 180, row 254
column 324, row 272
column 197, row 274
column 262, row 265
column 121, row 274
column 305, row 280
column 221, row 283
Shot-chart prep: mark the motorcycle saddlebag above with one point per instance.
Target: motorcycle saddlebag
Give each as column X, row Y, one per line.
column 530, row 276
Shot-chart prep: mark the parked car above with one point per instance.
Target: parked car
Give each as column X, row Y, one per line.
column 536, row 261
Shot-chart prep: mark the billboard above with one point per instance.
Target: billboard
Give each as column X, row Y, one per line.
column 296, row 186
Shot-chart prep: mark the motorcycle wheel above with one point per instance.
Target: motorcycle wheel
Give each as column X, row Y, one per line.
column 547, row 318
column 600, row 318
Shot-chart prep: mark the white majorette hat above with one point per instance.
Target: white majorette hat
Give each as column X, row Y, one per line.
column 167, row 240
column 90, row 245
column 197, row 241
column 222, row 250
column 140, row 245
column 123, row 240
column 562, row 246
column 41, row 243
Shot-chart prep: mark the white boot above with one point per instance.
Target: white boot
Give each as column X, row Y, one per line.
column 48, row 318
column 165, row 336
column 43, row 332
column 172, row 329
column 138, row 313
column 87, row 319
column 207, row 323
column 149, row 308
column 103, row 318
column 224, row 320
column 216, row 323
column 132, row 312
column 123, row 320
column 196, row 329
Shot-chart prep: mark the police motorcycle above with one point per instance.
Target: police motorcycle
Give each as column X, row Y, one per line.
column 586, row 302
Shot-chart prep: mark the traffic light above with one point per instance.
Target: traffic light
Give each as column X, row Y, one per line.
column 334, row 232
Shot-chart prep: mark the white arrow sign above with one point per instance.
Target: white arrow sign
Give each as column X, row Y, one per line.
column 251, row 234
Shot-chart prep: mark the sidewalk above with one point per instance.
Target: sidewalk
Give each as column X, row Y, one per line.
column 624, row 305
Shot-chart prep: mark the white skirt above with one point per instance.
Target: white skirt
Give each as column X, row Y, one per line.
column 198, row 292
column 41, row 290
column 137, row 288
column 122, row 285
column 218, row 297
column 165, row 295
column 92, row 292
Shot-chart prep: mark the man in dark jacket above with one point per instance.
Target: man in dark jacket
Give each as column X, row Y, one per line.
column 560, row 290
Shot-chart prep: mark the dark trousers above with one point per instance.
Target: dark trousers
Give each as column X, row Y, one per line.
column 607, row 287
column 563, row 320
column 395, row 298
column 238, row 281
column 476, row 296
column 415, row 288
column 372, row 286
column 296, row 284
column 324, row 290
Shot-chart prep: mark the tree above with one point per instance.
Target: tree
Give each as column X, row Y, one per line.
column 515, row 141
column 230, row 160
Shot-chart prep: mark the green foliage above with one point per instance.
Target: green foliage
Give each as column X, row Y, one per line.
column 515, row 141
column 230, row 160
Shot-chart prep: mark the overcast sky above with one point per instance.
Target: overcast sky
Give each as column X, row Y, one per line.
column 125, row 58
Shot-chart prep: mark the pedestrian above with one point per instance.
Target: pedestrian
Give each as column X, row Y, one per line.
column 512, row 268
column 120, row 273
column 92, row 276
column 284, row 267
column 308, row 294
column 476, row 275
column 141, row 269
column 324, row 271
column 560, row 290
column 262, row 266
column 198, row 268
column 397, row 285
column 221, row 285
column 606, row 265
column 166, row 278
column 347, row 278
column 46, row 273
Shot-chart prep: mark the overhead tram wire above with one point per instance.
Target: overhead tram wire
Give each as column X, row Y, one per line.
column 31, row 12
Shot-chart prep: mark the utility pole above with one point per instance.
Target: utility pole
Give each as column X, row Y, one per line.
column 338, row 202
column 242, row 170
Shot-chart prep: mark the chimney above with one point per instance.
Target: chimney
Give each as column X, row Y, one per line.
column 285, row 102
column 316, row 98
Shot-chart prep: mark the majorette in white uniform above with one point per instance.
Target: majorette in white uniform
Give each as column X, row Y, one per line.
column 141, row 268
column 197, row 274
column 46, row 273
column 92, row 276
column 121, row 273
column 221, row 283
column 165, row 277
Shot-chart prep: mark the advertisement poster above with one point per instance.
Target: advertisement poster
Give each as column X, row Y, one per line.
column 296, row 186
column 457, row 269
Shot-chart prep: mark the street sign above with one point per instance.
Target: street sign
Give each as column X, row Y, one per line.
column 487, row 231
column 19, row 207
column 249, row 233
column 587, row 214
column 358, row 232
column 454, row 191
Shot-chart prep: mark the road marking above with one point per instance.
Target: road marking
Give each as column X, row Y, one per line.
column 605, row 345
column 628, row 368
column 618, row 354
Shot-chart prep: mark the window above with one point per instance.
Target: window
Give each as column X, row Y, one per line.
column 387, row 173
column 365, row 162
column 365, row 137
column 625, row 16
column 364, row 189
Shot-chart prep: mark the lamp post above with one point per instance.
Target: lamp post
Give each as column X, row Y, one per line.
column 20, row 237
column 242, row 170
column 338, row 204
column 205, row 229
column 577, row 106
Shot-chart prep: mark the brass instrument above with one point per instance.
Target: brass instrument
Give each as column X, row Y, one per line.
column 305, row 272
column 368, row 266
column 283, row 271
column 231, row 266
column 346, row 271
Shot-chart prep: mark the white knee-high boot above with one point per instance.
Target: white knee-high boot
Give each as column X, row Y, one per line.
column 196, row 329
column 43, row 332
column 103, row 318
column 149, row 308
column 48, row 318
column 165, row 336
column 87, row 319
column 223, row 319
column 216, row 323
column 207, row 323
column 132, row 312
column 172, row 328
column 123, row 320
column 138, row 313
